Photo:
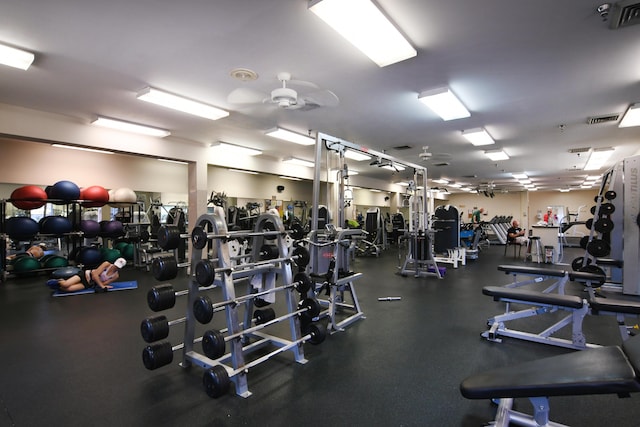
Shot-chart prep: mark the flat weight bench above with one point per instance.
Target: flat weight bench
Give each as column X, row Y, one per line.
column 536, row 275
column 605, row 370
column 542, row 303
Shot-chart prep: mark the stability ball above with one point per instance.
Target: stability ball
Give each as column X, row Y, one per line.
column 21, row 227
column 65, row 272
column 56, row 261
column 56, row 225
column 94, row 196
column 28, row 197
column 89, row 256
column 64, row 191
column 110, row 254
column 127, row 251
column 111, row 228
column 90, row 228
column 26, row 264
column 125, row 195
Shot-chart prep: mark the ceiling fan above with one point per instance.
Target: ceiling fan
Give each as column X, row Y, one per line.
column 308, row 96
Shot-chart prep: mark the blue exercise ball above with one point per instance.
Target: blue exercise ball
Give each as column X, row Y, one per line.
column 55, row 224
column 64, row 191
column 21, row 227
column 65, row 272
column 89, row 256
column 90, row 228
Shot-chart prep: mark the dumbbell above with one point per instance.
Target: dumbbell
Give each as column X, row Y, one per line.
column 161, row 354
column 216, row 380
column 203, row 307
column 206, row 269
column 214, row 342
column 166, row 267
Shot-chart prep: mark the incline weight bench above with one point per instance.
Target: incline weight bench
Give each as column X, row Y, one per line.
column 604, row 370
column 536, row 275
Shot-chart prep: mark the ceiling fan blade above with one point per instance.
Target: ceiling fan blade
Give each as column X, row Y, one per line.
column 302, row 83
column 244, row 95
column 322, row 98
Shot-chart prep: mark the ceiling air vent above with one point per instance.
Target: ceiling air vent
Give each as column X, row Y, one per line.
column 442, row 164
column 624, row 13
column 579, row 150
column 603, row 119
column 402, row 147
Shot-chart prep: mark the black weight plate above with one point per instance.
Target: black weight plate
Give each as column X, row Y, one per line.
column 607, row 209
column 576, row 264
column 199, row 237
column 154, row 328
column 161, row 297
column 603, row 225
column 157, row 355
column 216, row 381
column 317, row 333
column 269, row 252
column 302, row 256
column 598, row 199
column 598, row 248
column 268, row 226
column 589, row 223
column 202, row 309
column 168, row 237
column 304, row 282
column 584, row 240
column 264, row 315
column 205, row 272
column 593, row 210
column 593, row 269
column 297, row 231
column 610, row 195
column 213, row 344
column 164, row 268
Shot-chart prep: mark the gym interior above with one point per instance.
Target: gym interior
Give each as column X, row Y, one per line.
column 197, row 277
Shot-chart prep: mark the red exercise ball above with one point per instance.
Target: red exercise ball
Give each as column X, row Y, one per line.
column 28, row 197
column 94, row 196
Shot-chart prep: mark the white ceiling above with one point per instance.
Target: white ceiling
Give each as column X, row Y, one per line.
column 531, row 73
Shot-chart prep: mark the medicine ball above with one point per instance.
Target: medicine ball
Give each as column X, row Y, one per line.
column 56, row 225
column 90, row 228
column 89, row 256
column 28, row 197
column 25, row 264
column 111, row 228
column 56, row 261
column 125, row 195
column 94, row 196
column 64, row 191
column 21, row 227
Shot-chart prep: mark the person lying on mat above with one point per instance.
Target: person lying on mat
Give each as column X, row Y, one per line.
column 35, row 251
column 98, row 278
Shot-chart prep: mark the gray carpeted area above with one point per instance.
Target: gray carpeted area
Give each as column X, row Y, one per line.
column 77, row 361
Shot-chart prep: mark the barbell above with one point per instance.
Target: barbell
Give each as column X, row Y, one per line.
column 216, row 380
column 155, row 356
column 203, row 307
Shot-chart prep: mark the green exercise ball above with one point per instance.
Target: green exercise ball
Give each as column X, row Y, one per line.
column 56, row 261
column 127, row 251
column 110, row 255
column 25, row 264
column 120, row 246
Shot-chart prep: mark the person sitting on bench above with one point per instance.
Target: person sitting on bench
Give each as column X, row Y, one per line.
column 99, row 278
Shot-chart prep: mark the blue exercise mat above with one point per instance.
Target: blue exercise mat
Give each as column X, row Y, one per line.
column 117, row 286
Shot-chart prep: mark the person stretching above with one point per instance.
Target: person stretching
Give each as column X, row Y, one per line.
column 99, row 278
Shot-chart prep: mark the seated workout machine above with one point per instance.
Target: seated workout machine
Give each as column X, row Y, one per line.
column 376, row 237
column 605, row 370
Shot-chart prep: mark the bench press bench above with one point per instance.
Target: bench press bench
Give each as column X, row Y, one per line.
column 604, row 370
column 536, row 275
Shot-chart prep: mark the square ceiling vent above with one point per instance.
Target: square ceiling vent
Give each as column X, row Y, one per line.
column 624, row 14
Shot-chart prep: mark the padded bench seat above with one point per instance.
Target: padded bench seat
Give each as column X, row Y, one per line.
column 614, row 305
column 525, row 295
column 583, row 277
column 531, row 271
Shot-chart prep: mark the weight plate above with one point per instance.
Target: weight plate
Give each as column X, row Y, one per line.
column 216, row 381
column 269, row 252
column 589, row 223
column 593, row 269
column 297, row 231
column 268, row 226
column 610, row 195
column 576, row 264
column 603, row 225
column 205, row 272
column 213, row 345
column 157, row 355
column 607, row 209
column 598, row 248
column 584, row 240
column 199, row 237
column 202, row 309
column 593, row 210
column 598, row 199
column 154, row 328
column 161, row 297
column 264, row 315
column 168, row 237
column 317, row 333
column 164, row 268
column 302, row 256
column 304, row 283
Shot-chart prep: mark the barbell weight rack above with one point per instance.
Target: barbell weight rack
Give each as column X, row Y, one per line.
column 216, row 379
column 203, row 307
column 214, row 342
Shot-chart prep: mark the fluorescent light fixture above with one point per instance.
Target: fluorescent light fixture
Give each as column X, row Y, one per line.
column 290, row 178
column 243, row 171
column 592, row 178
column 15, row 57
column 179, row 103
column 441, row 181
column 529, row 186
column 455, row 185
column 403, row 183
column 366, row 27
column 478, row 136
column 393, row 167
column 356, row 155
column 444, row 103
column 586, row 185
column 74, row 147
column 631, row 117
column 299, row 162
column 520, row 175
column 235, row 149
column 597, row 158
column 524, row 181
column 373, row 190
column 564, row 190
column 496, row 155
column 532, row 189
column 290, row 136
column 178, row 162
column 130, row 127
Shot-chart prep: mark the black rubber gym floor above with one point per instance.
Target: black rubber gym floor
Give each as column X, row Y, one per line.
column 77, row 360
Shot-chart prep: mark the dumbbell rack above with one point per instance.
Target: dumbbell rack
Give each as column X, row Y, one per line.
column 235, row 362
